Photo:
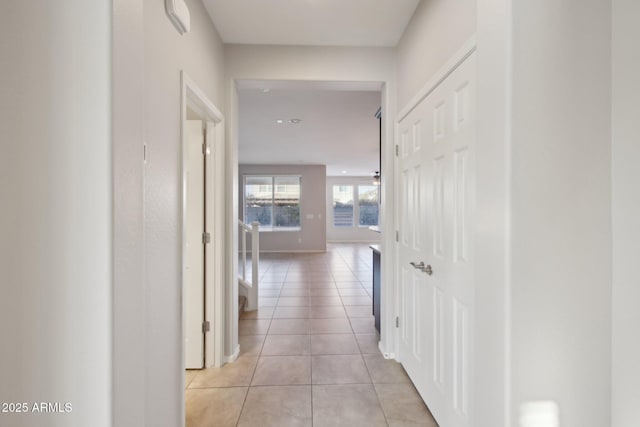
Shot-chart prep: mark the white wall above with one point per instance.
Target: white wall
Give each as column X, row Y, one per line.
column 312, row 236
column 200, row 54
column 129, row 322
column 492, row 352
column 436, row 31
column 55, row 220
column 626, row 214
column 309, row 63
column 347, row 234
column 561, row 208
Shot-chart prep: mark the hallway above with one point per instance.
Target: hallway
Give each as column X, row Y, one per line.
column 309, row 355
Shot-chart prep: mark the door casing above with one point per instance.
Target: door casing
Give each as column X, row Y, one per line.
column 196, row 99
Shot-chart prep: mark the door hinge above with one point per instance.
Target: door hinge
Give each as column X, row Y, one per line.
column 206, row 238
column 206, row 326
column 397, row 150
column 397, row 236
column 397, row 322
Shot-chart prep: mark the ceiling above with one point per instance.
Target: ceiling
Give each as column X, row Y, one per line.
column 311, row 22
column 338, row 126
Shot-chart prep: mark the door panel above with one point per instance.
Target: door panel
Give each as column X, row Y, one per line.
column 194, row 256
column 213, row 251
column 436, row 222
column 412, row 282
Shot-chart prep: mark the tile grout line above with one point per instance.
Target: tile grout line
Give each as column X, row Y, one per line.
column 311, row 374
column 256, row 366
column 375, row 390
column 246, row 395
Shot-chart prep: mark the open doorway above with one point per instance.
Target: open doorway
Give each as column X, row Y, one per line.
column 334, row 71
column 309, row 163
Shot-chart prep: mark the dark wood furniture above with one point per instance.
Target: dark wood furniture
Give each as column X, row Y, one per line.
column 376, row 285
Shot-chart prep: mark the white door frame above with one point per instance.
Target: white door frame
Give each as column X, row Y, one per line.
column 388, row 340
column 196, row 99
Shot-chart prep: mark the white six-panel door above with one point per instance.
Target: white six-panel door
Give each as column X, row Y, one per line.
column 194, row 257
column 435, row 172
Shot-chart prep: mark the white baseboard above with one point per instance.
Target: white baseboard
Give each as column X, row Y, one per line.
column 354, row 241
column 385, row 354
column 287, row 251
column 234, row 356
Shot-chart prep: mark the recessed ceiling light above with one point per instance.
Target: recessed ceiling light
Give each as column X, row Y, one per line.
column 266, row 90
column 344, row 171
column 279, row 121
column 294, row 121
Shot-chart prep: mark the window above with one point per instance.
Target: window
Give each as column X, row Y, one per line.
column 368, row 205
column 343, row 206
column 366, row 209
column 273, row 201
column 287, row 202
column 258, row 199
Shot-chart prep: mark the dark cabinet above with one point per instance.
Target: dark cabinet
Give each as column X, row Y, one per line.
column 376, row 285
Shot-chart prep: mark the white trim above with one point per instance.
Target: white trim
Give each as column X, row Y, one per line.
column 232, row 357
column 354, row 241
column 386, row 221
column 334, row 85
column 388, row 331
column 280, row 230
column 217, row 256
column 449, row 67
column 396, row 247
column 232, row 241
column 199, row 99
column 508, row 217
column 385, row 354
column 292, row 251
column 192, row 95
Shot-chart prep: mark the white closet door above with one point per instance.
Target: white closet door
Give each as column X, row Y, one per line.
column 436, row 212
column 413, row 242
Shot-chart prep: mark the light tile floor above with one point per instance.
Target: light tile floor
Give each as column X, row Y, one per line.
column 309, row 356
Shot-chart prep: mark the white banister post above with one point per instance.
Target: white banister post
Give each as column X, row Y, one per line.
column 243, row 245
column 255, row 260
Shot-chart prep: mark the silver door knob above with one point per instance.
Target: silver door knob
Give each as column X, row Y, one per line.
column 424, row 268
column 428, row 270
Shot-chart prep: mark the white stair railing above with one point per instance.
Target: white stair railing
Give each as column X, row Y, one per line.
column 252, row 286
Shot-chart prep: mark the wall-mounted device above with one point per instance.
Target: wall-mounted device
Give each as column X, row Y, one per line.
column 179, row 14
